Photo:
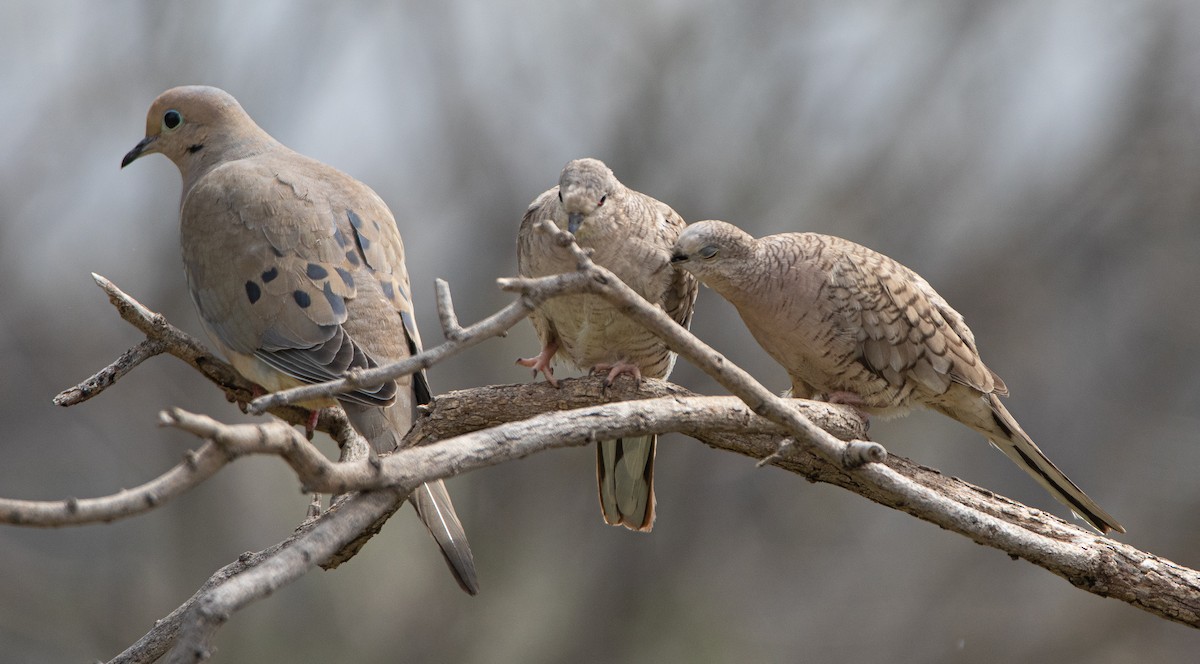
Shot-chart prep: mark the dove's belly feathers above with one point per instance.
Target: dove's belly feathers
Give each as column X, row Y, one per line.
column 591, row 332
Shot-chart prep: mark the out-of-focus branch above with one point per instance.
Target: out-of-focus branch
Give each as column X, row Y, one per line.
column 187, row 631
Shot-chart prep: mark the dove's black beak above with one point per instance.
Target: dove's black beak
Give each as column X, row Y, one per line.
column 138, row 150
column 574, row 219
column 679, row 257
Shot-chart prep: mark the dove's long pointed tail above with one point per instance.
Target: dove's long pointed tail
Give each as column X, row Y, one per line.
column 383, row 428
column 437, row 512
column 625, row 475
column 1008, row 436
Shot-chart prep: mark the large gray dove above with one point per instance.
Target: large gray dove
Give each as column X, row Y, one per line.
column 630, row 234
column 297, row 271
column 853, row 326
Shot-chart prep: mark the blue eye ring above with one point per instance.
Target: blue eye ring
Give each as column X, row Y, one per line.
column 707, row 251
column 172, row 119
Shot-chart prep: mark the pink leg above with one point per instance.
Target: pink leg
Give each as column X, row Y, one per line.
column 614, row 370
column 541, row 362
column 311, row 424
column 256, row 391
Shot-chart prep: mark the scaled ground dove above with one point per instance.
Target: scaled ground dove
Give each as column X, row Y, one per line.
column 630, row 234
column 853, row 326
column 297, row 271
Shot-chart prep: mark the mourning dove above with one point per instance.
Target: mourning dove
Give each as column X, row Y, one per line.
column 853, row 326
column 297, row 271
column 630, row 234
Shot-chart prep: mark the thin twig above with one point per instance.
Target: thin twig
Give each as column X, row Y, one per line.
column 197, row 466
column 110, row 374
column 177, row 343
column 458, row 340
column 451, row 330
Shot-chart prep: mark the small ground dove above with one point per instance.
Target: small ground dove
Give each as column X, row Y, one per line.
column 630, row 234
column 853, row 326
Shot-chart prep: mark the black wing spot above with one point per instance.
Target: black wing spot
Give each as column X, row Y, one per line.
column 253, row 291
column 346, row 278
column 388, row 291
column 340, row 238
column 316, row 272
column 335, row 302
column 270, row 275
column 352, row 258
column 355, row 220
column 302, row 299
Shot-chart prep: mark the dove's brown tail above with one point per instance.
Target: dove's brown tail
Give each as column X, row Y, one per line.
column 384, row 428
column 625, row 474
column 1004, row 432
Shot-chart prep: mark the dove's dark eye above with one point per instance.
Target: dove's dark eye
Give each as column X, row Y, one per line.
column 602, row 199
column 707, row 252
column 172, row 119
column 560, row 196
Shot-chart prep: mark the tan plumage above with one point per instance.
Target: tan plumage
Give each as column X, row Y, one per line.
column 297, row 272
column 852, row 325
column 630, row 234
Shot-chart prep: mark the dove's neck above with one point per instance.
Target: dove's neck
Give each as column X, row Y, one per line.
column 216, row 150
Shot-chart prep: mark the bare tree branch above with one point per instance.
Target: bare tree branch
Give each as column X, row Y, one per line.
column 471, row 429
column 197, row 466
column 465, row 423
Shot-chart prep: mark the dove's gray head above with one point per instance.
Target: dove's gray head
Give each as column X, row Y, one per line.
column 584, row 186
column 197, row 127
column 714, row 251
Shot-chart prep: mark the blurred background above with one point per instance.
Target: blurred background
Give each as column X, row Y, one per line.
column 1036, row 161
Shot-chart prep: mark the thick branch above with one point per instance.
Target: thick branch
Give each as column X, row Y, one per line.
column 540, row 424
column 486, row 426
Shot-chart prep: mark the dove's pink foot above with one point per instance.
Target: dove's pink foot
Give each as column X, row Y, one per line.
column 617, row 369
column 311, row 425
column 541, row 362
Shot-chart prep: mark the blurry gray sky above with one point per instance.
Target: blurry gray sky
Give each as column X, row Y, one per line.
column 1037, row 162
